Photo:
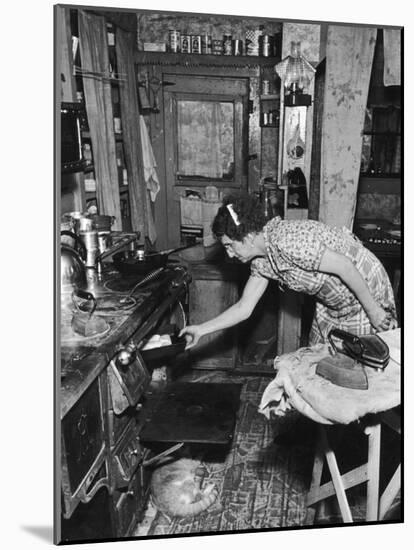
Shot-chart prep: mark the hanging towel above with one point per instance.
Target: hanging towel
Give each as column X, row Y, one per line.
column 148, row 159
column 392, row 57
column 150, row 176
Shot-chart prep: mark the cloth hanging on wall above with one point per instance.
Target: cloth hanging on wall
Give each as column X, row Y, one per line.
column 150, row 176
column 349, row 55
column 139, row 204
column 148, row 160
column 392, row 57
column 94, row 54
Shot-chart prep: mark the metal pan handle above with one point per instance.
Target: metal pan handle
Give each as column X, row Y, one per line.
column 86, row 296
column 78, row 241
column 345, row 337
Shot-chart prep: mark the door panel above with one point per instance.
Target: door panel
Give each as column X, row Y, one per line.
column 205, row 121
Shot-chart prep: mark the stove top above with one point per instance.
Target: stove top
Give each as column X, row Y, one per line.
column 113, row 305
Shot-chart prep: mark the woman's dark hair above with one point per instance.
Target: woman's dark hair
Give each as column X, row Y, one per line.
column 249, row 214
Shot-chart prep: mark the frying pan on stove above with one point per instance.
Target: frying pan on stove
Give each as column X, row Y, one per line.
column 130, row 262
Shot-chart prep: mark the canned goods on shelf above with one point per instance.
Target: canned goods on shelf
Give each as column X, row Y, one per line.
column 217, row 47
column 174, row 40
column 237, row 47
column 266, row 45
column 227, row 44
column 185, row 43
column 265, row 87
column 206, row 46
column 195, row 43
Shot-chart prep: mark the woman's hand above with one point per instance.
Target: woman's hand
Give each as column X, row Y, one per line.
column 192, row 335
column 381, row 320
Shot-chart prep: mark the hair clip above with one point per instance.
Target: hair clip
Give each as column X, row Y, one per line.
column 233, row 214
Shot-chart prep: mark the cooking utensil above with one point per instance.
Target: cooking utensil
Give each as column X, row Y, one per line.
column 165, row 352
column 82, row 321
column 90, row 240
column 130, row 262
column 72, row 269
column 151, row 276
column 340, row 369
column 102, row 222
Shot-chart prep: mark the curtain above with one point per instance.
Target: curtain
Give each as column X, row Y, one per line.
column 94, row 56
column 205, row 138
column 392, row 57
column 349, row 55
column 141, row 216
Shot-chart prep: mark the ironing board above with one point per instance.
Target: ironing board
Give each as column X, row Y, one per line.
column 297, row 386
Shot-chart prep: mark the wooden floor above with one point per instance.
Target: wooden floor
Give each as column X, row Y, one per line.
column 264, row 477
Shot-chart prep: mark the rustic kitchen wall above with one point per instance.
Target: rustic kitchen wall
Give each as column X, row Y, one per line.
column 154, row 27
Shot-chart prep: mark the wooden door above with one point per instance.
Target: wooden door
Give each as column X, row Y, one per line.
column 188, row 102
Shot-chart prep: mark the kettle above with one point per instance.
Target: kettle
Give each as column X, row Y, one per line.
column 72, row 268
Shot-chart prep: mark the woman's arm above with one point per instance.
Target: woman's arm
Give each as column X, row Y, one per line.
column 238, row 312
column 338, row 264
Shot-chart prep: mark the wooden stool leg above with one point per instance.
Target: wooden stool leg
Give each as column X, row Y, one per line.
column 316, row 480
column 336, row 479
column 390, row 493
column 374, row 446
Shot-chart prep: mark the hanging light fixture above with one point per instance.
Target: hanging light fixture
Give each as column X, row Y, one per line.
column 296, row 74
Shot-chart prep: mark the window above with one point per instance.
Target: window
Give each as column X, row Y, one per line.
column 205, row 137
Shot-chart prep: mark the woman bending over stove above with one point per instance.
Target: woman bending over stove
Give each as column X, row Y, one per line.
column 350, row 285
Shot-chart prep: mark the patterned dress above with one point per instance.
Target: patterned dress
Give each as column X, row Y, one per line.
column 294, row 251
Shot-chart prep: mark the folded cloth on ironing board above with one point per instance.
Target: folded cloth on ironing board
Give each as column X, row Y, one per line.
column 297, row 385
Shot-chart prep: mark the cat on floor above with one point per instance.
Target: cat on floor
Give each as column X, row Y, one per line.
column 176, row 492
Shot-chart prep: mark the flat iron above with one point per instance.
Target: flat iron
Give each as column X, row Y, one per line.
column 370, row 350
column 339, row 368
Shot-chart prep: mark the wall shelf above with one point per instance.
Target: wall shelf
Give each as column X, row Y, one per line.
column 194, row 60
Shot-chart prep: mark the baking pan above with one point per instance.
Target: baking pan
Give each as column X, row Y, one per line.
column 164, row 353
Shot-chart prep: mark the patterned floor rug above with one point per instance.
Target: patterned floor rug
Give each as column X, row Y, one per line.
column 261, row 484
column 263, row 478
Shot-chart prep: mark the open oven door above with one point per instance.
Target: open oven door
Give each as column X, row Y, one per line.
column 191, row 412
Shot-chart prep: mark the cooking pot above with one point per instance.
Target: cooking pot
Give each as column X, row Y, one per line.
column 72, row 268
column 135, row 262
column 102, row 223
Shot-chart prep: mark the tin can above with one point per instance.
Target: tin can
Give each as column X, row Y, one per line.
column 227, row 44
column 237, row 47
column 195, row 43
column 117, row 125
column 265, row 87
column 174, row 40
column 185, row 43
column 206, row 43
column 217, row 47
column 266, row 45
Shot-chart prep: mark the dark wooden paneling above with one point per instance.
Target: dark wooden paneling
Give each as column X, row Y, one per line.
column 380, row 185
column 315, row 173
column 213, row 290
